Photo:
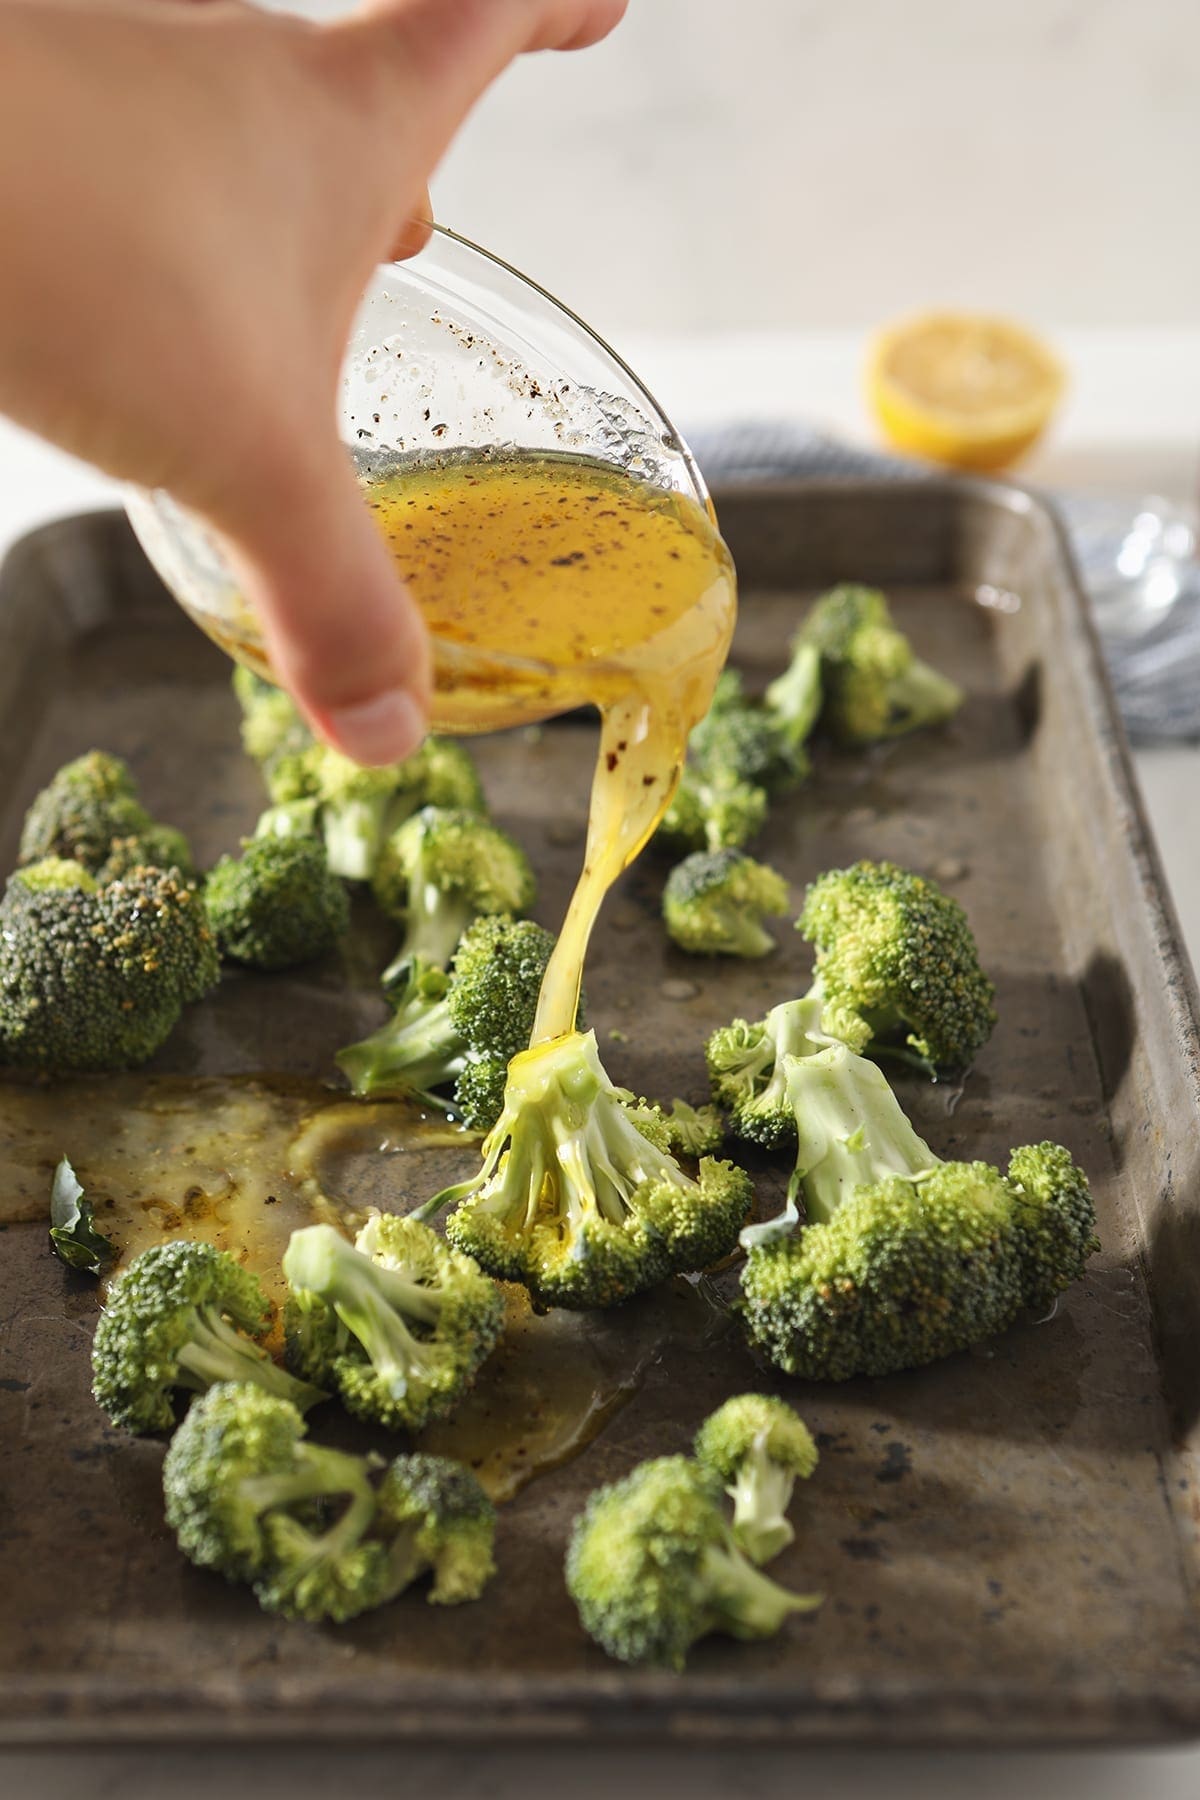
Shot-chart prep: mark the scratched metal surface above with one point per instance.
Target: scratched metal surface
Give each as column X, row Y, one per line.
column 1007, row 1539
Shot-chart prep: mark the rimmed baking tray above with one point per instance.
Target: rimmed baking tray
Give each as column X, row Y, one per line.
column 1008, row 1540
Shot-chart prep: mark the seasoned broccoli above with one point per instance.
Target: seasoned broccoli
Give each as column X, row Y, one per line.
column 360, row 807
column 682, row 1129
column 439, row 1519
column 271, row 725
column 575, row 1201
column 277, row 904
column 739, row 738
column 397, row 1322
column 90, row 814
column 760, row 1448
column 96, row 977
column 715, row 902
column 246, row 1493
column 905, row 1258
column 440, row 870
column 737, row 756
column 182, row 1315
column 874, row 686
column 747, row 1066
column 896, row 951
column 653, row 1565
column 459, row 1030
column 291, row 819
column 713, row 812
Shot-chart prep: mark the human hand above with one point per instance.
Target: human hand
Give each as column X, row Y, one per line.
column 193, row 199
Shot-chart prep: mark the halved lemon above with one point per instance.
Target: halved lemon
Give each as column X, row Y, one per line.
column 963, row 389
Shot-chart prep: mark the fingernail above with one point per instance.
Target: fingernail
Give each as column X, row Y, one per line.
column 380, row 730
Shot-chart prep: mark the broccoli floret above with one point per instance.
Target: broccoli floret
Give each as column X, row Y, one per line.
column 896, row 951
column 246, row 1494
column 461, row 1029
column 290, row 819
column 249, row 1496
column 441, row 1521
column 682, row 1129
column 271, row 725
column 653, row 1565
column 154, row 847
column 905, row 1258
column 182, row 1315
column 874, row 686
column 397, row 1322
column 715, row 902
column 747, row 1067
column 354, row 804
column 357, row 808
column 739, row 739
column 713, row 812
column 277, row 904
column 760, row 1448
column 96, row 978
column 575, row 1201
column 794, row 698
column 440, row 870
column 90, row 814
column 737, row 756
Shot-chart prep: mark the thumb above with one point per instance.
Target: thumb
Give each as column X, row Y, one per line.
column 342, row 631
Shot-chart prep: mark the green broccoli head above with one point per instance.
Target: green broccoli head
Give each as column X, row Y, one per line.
column 441, row 1521
column 96, row 978
column 575, row 1201
column 358, row 807
column 183, row 1315
column 653, row 1566
column 747, row 1068
column 715, row 902
column 398, row 1322
column 153, row 847
column 713, row 812
column 874, row 685
column 896, row 951
column 906, row 1259
column 247, row 1496
column 458, row 1030
column 441, row 773
column 759, row 1448
column 679, row 1128
column 271, row 724
column 90, row 814
column 277, row 904
column 440, row 870
column 740, row 742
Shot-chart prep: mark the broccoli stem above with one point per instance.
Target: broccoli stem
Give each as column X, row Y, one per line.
column 760, row 1493
column 436, row 921
column 795, row 696
column 217, row 1352
column 418, row 1049
column 353, row 832
column 743, row 1601
column 920, row 696
column 372, row 1301
column 851, row 1129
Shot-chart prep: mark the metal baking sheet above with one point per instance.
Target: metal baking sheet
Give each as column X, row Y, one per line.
column 1007, row 1540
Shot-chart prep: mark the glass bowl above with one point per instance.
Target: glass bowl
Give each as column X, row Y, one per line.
column 452, row 352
